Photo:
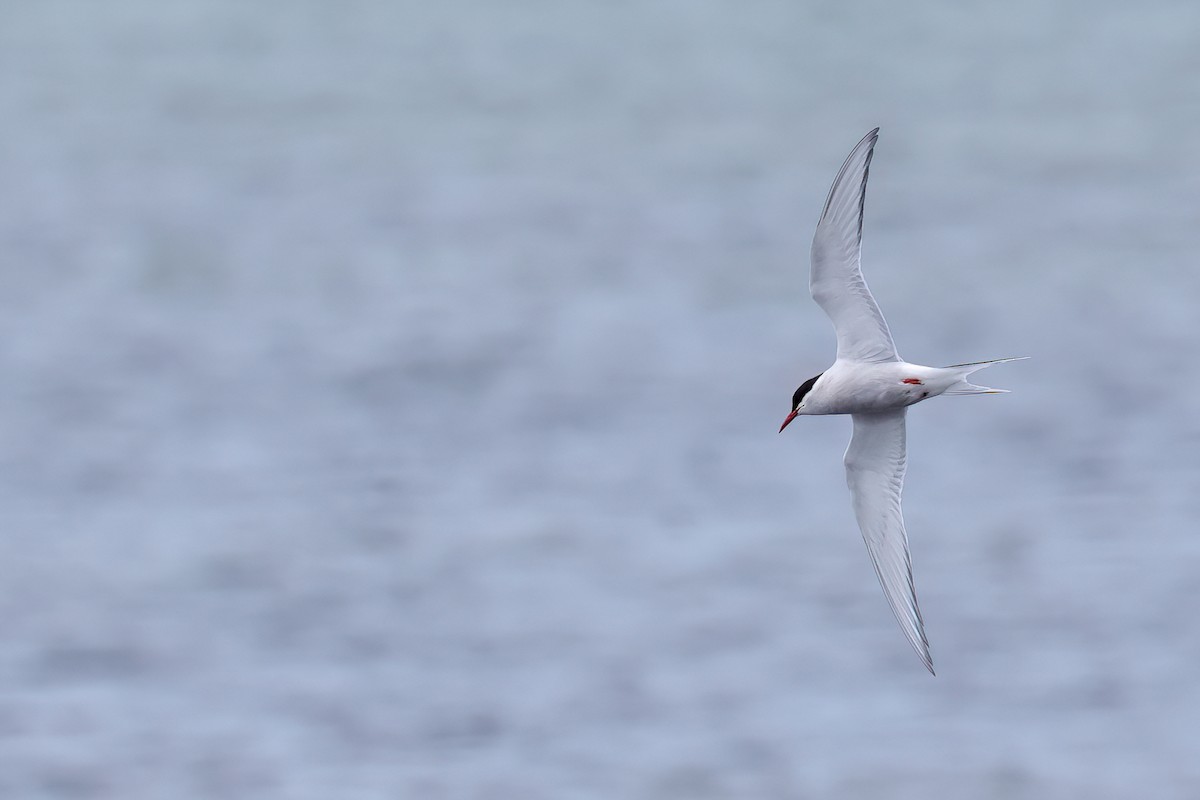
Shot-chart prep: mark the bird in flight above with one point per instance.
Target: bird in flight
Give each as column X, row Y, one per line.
column 870, row 382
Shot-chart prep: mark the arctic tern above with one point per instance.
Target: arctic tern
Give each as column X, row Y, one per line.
column 870, row 381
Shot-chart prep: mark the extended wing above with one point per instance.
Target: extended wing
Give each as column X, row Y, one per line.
column 836, row 281
column 875, row 464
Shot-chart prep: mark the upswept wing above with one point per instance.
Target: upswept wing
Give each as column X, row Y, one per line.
column 875, row 462
column 836, row 281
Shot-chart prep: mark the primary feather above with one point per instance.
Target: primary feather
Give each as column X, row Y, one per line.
column 836, row 281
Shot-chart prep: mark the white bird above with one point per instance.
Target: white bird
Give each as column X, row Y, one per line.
column 870, row 381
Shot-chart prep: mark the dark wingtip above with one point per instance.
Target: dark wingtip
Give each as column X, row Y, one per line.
column 871, row 139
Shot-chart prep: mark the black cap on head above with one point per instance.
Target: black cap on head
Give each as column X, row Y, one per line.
column 803, row 390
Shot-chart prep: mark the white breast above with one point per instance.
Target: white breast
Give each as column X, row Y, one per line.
column 855, row 387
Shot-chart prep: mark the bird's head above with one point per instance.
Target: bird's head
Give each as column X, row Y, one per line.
column 798, row 401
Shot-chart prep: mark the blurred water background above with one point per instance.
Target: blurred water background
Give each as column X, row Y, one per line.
column 391, row 390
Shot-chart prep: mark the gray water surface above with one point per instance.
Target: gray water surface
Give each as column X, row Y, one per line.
column 391, row 391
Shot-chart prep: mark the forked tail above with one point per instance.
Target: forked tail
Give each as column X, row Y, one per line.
column 963, row 386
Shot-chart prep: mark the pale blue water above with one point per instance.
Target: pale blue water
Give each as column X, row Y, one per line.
column 390, row 396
